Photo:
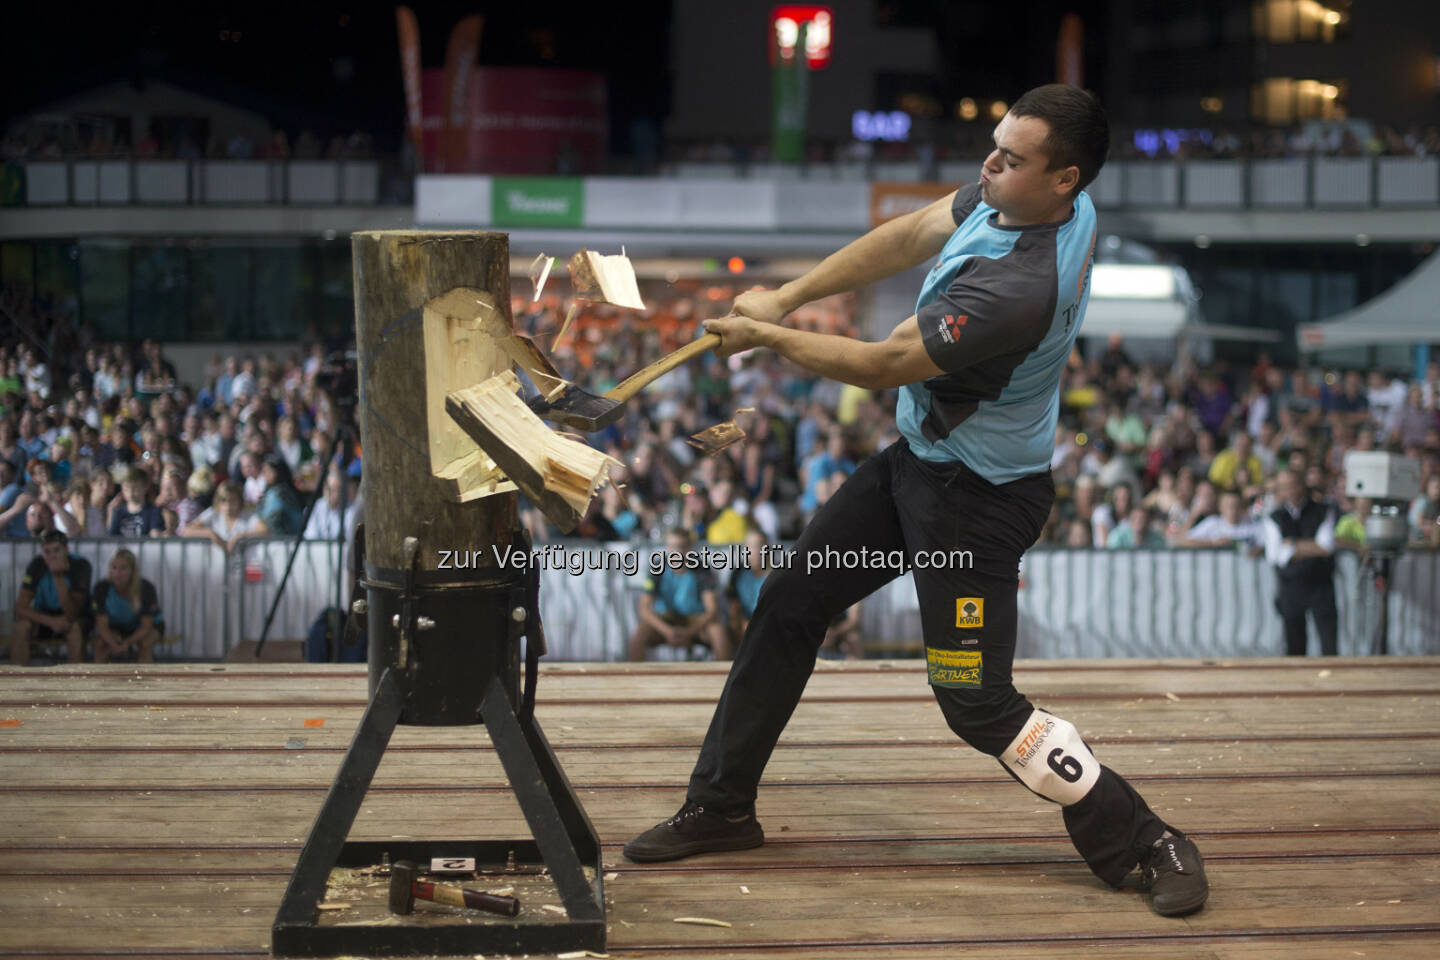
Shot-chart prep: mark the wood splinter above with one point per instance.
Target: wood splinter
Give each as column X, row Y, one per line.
column 607, row 279
column 714, row 439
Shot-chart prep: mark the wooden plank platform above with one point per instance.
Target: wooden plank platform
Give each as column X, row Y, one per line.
column 158, row 811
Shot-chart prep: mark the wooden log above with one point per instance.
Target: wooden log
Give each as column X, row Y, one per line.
column 408, row 363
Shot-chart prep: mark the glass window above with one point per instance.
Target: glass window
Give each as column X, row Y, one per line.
column 105, row 287
column 220, row 295
column 337, row 292
column 160, row 291
column 284, row 290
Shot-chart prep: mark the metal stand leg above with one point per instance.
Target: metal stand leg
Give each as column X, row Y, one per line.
column 534, row 776
column 564, row 842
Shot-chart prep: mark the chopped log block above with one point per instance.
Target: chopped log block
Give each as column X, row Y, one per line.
column 608, row 279
column 560, row 475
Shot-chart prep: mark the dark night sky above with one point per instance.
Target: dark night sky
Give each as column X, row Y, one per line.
column 317, row 63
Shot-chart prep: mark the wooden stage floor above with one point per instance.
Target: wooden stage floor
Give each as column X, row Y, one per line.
column 158, row 811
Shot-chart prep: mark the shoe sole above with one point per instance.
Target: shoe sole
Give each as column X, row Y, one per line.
column 694, row 847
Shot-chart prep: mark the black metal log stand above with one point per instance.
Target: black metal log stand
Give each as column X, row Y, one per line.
column 447, row 653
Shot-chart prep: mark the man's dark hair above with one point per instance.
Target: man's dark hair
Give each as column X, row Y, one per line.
column 54, row 536
column 1079, row 131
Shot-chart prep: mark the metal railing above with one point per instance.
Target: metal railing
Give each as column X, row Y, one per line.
column 1072, row 603
column 130, row 182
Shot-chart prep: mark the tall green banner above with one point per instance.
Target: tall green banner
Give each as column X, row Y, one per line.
column 790, row 94
column 537, row 201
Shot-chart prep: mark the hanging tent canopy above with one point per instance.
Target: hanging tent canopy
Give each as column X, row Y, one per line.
column 1408, row 313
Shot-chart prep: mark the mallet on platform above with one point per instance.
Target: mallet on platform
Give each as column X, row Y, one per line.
column 406, row 888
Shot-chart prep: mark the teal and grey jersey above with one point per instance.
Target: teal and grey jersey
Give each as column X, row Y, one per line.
column 999, row 314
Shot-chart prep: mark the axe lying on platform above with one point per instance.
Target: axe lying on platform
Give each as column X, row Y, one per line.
column 584, row 411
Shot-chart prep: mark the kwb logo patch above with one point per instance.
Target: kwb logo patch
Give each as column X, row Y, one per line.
column 951, row 327
column 969, row 612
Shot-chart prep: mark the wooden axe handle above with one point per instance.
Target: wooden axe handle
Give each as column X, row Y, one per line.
column 634, row 384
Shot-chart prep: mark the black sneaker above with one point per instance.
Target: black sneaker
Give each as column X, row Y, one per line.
column 1174, row 875
column 693, row 831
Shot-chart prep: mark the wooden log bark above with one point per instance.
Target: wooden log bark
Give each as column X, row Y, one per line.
column 397, row 273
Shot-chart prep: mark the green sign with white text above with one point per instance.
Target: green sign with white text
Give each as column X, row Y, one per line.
column 537, row 201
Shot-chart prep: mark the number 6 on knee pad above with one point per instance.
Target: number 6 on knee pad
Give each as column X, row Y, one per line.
column 1050, row 758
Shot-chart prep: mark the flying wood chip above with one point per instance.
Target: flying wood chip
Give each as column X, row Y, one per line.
column 607, row 279
column 714, row 439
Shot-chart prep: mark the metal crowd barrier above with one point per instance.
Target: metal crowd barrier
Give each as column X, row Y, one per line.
column 1072, row 603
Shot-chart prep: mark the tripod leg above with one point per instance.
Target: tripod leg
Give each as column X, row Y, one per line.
column 337, row 814
column 545, row 818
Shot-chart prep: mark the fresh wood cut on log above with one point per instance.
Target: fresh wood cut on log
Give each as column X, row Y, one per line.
column 609, row 279
column 558, row 474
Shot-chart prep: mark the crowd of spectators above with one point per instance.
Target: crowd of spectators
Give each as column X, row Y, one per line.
column 962, row 143
column 108, row 442
column 1144, row 457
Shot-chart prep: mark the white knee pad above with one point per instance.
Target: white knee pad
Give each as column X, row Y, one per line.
column 1050, row 758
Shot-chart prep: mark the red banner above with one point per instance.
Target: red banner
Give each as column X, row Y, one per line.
column 525, row 120
column 409, row 31
column 460, row 55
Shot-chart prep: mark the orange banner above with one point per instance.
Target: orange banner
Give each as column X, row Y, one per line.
column 460, row 56
column 409, row 31
column 891, row 200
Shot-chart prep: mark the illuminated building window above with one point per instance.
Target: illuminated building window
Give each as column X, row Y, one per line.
column 1301, row 21
column 1284, row 100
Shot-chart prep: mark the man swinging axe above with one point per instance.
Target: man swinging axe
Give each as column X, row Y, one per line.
column 978, row 368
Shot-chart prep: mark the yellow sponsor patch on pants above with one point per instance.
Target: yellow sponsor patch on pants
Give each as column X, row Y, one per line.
column 953, row 668
column 969, row 612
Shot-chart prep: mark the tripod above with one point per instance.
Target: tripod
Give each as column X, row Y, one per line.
column 343, row 444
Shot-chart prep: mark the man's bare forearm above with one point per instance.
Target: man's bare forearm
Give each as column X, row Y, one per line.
column 890, row 248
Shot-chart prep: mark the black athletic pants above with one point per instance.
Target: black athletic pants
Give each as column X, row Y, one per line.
column 898, row 502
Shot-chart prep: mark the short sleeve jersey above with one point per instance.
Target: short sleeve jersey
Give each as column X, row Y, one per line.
column 41, row 583
column 121, row 612
column 999, row 313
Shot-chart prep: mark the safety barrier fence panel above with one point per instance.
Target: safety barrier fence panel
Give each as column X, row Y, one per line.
column 1072, row 603
column 181, row 182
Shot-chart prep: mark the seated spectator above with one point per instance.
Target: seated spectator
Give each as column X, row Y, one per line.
column 743, row 591
column 842, row 637
column 227, row 521
column 290, row 445
column 135, row 515
column 104, row 494
column 1137, row 532
column 14, row 501
column 54, row 600
column 1350, row 528
column 1077, row 535
column 90, row 518
column 127, row 612
column 1230, row 526
column 1424, row 510
column 1109, row 515
column 280, row 505
column 325, row 522
column 198, row 491
column 728, row 523
column 679, row 607
column 1236, row 467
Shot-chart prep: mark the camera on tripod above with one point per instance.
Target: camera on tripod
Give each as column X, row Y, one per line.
column 1390, row 482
